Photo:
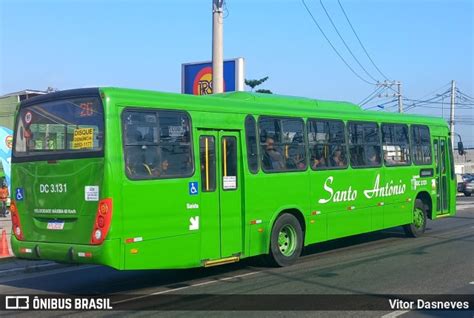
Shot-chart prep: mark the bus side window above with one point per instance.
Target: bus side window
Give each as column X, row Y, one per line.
column 294, row 147
column 395, row 144
column 421, row 144
column 327, row 144
column 252, row 148
column 364, row 144
column 207, row 150
column 157, row 144
column 282, row 144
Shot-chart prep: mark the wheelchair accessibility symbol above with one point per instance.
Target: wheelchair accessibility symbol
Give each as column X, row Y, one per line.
column 193, row 188
column 19, row 195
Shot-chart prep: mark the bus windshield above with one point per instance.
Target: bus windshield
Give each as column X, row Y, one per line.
column 62, row 128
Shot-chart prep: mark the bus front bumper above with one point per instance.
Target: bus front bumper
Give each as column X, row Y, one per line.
column 108, row 253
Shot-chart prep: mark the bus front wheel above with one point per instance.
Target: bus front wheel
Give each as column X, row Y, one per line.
column 418, row 226
column 286, row 241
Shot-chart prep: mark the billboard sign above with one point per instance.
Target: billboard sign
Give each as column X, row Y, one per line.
column 196, row 78
column 6, row 140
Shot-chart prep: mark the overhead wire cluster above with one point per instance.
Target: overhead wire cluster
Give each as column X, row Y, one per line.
column 368, row 78
column 440, row 99
column 361, row 70
column 436, row 99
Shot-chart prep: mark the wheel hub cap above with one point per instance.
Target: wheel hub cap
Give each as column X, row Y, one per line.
column 418, row 217
column 287, row 240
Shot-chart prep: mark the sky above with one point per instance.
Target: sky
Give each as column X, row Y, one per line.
column 141, row 44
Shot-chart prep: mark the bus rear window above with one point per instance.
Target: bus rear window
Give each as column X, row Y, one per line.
column 58, row 128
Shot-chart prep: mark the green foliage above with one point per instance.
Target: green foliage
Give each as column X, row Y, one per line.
column 263, row 91
column 256, row 82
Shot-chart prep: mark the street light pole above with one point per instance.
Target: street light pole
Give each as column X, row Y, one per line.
column 217, row 47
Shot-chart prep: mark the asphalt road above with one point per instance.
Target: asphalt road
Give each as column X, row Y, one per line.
column 385, row 262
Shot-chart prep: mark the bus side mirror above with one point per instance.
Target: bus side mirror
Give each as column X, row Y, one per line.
column 460, row 148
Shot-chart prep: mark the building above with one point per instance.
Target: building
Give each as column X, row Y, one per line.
column 464, row 163
column 8, row 103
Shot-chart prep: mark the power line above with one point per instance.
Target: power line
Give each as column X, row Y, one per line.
column 332, row 46
column 419, row 103
column 371, row 96
column 421, row 98
column 432, row 100
column 344, row 42
column 464, row 96
column 382, row 105
column 434, row 91
column 360, row 42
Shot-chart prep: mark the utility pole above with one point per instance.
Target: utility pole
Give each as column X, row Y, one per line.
column 217, row 47
column 400, row 100
column 451, row 121
column 398, row 92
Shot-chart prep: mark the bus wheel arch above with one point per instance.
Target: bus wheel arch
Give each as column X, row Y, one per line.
column 286, row 238
column 296, row 213
column 427, row 201
column 420, row 215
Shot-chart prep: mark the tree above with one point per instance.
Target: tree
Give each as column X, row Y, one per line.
column 257, row 82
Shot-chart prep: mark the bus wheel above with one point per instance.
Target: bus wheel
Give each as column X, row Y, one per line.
column 286, row 241
column 418, row 226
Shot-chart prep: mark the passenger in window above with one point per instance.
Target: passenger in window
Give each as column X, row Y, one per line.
column 162, row 170
column 136, row 166
column 272, row 158
column 336, row 159
column 372, row 158
column 318, row 161
column 296, row 162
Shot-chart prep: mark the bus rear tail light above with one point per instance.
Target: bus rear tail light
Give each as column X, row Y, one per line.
column 16, row 225
column 102, row 221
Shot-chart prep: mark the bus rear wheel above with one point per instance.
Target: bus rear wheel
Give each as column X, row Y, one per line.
column 418, row 226
column 286, row 241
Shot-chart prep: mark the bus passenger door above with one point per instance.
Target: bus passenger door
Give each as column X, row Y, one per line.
column 442, row 175
column 221, row 201
column 230, row 194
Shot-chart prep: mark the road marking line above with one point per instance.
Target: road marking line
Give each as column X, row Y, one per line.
column 396, row 313
column 471, row 283
column 184, row 287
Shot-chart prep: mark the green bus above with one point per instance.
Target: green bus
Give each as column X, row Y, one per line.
column 137, row 179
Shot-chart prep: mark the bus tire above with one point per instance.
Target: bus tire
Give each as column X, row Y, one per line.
column 467, row 194
column 418, row 227
column 286, row 241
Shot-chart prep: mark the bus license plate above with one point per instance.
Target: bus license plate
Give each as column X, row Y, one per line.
column 55, row 225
